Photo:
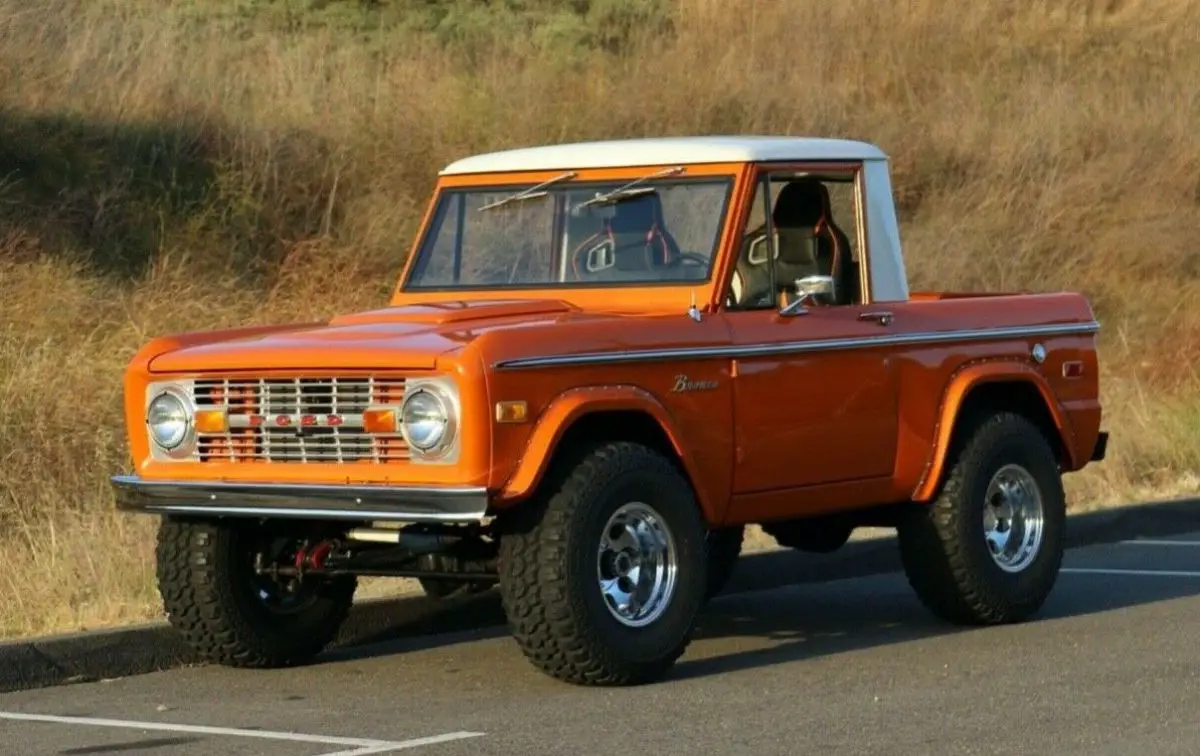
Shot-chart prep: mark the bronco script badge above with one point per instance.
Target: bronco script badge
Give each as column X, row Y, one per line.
column 683, row 384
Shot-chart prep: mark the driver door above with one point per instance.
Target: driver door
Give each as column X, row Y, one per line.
column 815, row 399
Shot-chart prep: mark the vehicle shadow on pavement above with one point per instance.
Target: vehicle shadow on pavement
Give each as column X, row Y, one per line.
column 420, row 622
column 784, row 605
column 770, row 626
column 811, row 621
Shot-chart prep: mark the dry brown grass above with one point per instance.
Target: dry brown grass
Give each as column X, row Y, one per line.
column 157, row 174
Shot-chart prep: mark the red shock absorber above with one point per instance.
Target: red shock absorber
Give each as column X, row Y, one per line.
column 314, row 558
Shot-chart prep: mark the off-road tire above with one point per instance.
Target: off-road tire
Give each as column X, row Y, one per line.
column 942, row 545
column 548, row 578
column 724, row 551
column 204, row 572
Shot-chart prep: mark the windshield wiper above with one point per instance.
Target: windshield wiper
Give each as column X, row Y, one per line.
column 627, row 190
column 530, row 193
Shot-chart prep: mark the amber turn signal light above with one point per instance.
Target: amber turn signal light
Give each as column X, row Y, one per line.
column 379, row 420
column 1072, row 369
column 211, row 421
column 511, row 412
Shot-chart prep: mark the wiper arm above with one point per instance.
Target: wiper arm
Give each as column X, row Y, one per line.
column 627, row 190
column 530, row 193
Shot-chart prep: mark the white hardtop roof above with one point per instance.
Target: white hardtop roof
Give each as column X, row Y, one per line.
column 666, row 151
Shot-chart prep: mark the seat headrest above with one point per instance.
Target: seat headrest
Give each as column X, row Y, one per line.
column 636, row 215
column 801, row 204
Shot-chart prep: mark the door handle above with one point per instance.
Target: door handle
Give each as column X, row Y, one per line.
column 881, row 317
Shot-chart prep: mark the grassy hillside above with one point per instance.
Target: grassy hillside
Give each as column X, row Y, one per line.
column 186, row 165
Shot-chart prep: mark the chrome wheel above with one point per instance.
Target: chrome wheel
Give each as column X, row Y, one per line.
column 1013, row 518
column 637, row 565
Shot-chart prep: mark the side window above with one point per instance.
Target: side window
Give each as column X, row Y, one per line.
column 813, row 219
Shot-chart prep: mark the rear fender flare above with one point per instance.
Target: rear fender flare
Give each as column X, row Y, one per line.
column 956, row 395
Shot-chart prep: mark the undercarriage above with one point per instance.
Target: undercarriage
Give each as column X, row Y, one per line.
column 441, row 556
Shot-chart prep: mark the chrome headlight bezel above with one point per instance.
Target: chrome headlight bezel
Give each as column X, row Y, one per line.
column 445, row 393
column 180, row 391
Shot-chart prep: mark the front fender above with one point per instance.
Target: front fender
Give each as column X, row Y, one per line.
column 959, row 388
column 572, row 405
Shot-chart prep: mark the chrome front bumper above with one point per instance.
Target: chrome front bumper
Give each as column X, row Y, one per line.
column 265, row 500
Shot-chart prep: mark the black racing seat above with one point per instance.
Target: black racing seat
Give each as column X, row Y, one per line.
column 630, row 245
column 808, row 242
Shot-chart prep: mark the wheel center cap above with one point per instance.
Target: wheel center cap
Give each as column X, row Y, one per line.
column 623, row 564
column 1001, row 516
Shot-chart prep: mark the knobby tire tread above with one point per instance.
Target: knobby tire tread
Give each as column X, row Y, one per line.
column 544, row 617
column 937, row 559
column 201, row 604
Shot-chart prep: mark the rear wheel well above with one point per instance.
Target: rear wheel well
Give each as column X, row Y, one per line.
column 1022, row 397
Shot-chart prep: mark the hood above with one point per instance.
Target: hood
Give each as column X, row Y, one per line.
column 408, row 337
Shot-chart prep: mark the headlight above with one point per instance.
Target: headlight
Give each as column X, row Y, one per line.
column 168, row 420
column 426, row 420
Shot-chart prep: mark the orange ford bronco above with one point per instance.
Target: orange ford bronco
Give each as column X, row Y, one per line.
column 601, row 362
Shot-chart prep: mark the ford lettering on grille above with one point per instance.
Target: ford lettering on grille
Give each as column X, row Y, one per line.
column 299, row 420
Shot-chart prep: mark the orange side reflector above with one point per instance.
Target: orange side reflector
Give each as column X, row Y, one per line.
column 511, row 412
column 211, row 421
column 381, row 420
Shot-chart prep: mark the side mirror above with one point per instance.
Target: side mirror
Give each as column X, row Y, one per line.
column 810, row 286
column 807, row 288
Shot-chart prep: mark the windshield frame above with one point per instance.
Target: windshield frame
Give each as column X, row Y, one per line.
column 728, row 176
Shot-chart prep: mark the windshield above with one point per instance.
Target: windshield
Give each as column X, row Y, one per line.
column 565, row 232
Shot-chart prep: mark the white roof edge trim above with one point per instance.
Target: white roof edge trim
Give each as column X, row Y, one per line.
column 623, row 153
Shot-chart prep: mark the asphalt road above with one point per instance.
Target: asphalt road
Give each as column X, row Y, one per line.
column 855, row 666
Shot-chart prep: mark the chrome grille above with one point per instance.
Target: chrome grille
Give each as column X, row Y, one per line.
column 298, row 420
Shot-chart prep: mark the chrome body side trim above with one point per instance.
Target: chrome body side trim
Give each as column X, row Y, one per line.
column 300, row 501
column 799, row 347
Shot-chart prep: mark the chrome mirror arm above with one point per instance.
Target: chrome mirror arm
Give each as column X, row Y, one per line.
column 807, row 288
column 795, row 308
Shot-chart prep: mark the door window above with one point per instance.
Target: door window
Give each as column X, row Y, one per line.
column 813, row 222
